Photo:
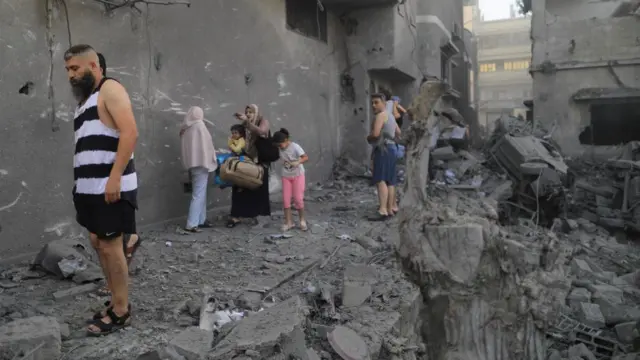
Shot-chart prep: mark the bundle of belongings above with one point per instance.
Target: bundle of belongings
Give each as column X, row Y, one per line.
column 240, row 171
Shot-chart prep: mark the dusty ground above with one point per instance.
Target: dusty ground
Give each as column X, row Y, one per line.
column 176, row 267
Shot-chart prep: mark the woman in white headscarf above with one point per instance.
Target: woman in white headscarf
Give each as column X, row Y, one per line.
column 199, row 158
column 247, row 203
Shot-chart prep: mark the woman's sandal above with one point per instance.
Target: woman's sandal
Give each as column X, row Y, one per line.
column 117, row 323
column 303, row 226
column 192, row 230
column 100, row 314
column 232, row 223
column 286, row 227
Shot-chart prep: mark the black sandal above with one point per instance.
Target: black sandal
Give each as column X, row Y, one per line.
column 232, row 223
column 102, row 313
column 194, row 230
column 117, row 323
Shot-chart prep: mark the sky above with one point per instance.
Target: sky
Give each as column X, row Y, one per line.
column 495, row 9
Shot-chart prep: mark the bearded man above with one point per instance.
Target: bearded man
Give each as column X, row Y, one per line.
column 106, row 184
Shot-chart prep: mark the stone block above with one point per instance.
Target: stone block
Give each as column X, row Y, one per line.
column 591, row 315
column 577, row 296
column 357, row 285
column 262, row 331
column 193, row 343
column 25, row 335
column 581, row 269
column 581, row 351
column 606, row 295
column 444, row 153
column 634, row 356
column 626, row 332
column 614, row 315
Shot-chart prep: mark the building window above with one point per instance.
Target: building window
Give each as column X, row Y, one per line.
column 489, row 67
column 516, row 65
column 306, row 18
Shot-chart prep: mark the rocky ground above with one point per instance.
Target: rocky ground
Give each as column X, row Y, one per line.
column 342, row 270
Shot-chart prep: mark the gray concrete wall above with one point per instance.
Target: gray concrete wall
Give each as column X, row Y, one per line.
column 570, row 68
column 581, row 9
column 169, row 58
column 436, row 18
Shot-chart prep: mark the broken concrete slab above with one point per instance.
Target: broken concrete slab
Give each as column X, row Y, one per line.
column 591, row 315
column 581, row 269
column 193, row 343
column 263, row 330
column 38, row 333
column 375, row 326
column 577, row 296
column 349, row 345
column 626, row 332
column 606, row 295
column 357, row 285
column 581, row 351
column 444, row 153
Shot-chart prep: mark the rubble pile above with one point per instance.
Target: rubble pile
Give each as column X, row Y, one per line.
column 496, row 289
column 608, row 193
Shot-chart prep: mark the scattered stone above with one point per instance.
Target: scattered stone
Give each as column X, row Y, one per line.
column 577, row 296
column 250, row 300
column 263, row 330
column 193, row 343
column 349, row 345
column 581, row 269
column 581, row 351
column 606, row 295
column 25, row 335
column 8, row 284
column 65, row 331
column 76, row 290
column 626, row 332
column 591, row 315
column 444, row 153
column 312, row 355
column 357, row 285
column 150, row 355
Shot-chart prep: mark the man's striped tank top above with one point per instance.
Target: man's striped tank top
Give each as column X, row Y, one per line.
column 95, row 152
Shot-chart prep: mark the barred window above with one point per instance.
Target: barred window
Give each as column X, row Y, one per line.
column 306, row 18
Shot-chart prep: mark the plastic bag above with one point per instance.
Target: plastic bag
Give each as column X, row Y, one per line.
column 275, row 185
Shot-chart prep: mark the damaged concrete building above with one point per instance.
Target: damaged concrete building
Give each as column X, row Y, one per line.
column 586, row 72
column 310, row 65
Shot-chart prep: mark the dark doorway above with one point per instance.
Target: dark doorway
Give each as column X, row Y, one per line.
column 612, row 124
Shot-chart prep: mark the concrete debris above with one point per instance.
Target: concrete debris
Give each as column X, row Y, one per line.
column 38, row 336
column 192, row 343
column 349, row 345
column 549, row 247
column 67, row 258
column 357, row 285
column 262, row 331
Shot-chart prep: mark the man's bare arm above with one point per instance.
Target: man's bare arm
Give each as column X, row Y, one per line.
column 118, row 104
column 376, row 129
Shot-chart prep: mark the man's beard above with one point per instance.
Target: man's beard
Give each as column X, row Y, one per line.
column 83, row 87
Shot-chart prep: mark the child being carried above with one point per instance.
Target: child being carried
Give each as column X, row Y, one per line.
column 237, row 142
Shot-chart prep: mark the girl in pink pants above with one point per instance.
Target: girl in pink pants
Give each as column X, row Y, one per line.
column 293, row 182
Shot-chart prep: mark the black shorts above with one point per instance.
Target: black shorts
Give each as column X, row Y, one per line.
column 107, row 221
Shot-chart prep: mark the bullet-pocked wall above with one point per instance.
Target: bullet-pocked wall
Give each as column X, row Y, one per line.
column 571, row 55
column 219, row 55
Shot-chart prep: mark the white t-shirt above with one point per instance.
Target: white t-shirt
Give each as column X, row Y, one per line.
column 291, row 153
